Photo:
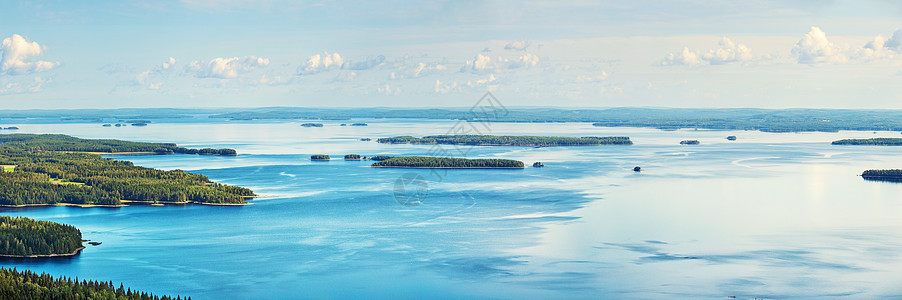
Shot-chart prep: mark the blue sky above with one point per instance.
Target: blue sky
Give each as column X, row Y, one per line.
column 243, row 53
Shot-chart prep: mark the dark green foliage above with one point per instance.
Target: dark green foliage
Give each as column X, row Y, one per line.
column 23, row 237
column 359, row 124
column 27, row 285
column 447, row 162
column 894, row 175
column 352, row 156
column 319, row 157
column 505, row 140
column 99, row 181
column 59, row 142
column 689, row 142
column 731, row 138
column 380, row 157
column 312, row 125
column 873, row 141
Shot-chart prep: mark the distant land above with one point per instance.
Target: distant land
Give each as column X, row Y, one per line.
column 894, row 175
column 428, row 162
column 508, row 140
column 872, row 142
column 767, row 120
column 53, row 169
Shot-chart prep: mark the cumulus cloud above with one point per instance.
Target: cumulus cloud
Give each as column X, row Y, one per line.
column 728, row 52
column 369, row 63
column 485, row 63
column 18, row 57
column 441, row 88
column 814, row 48
column 416, row 69
column 895, row 42
column 520, row 45
column 144, row 77
column 221, row 67
column 321, row 62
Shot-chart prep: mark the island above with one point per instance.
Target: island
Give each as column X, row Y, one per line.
column 428, row 162
column 870, row 142
column 894, row 175
column 319, row 157
column 60, row 142
column 380, row 157
column 312, row 124
column 731, row 138
column 352, row 157
column 538, row 164
column 359, row 124
column 507, row 140
column 28, row 238
column 689, row 142
column 366, row 139
column 50, row 172
column 25, row 284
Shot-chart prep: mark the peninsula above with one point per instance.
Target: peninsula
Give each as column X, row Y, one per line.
column 508, row 140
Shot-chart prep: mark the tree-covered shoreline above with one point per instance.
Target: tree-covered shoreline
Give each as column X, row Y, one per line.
column 52, row 177
column 894, row 175
column 870, row 142
column 504, row 140
column 60, row 142
column 448, row 163
column 28, row 285
column 24, row 237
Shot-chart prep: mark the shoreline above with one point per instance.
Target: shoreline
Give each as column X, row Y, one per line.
column 126, row 203
column 73, row 253
column 61, row 204
column 405, row 167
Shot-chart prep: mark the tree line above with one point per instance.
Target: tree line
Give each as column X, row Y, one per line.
column 871, row 141
column 447, row 162
column 28, row 285
column 23, row 236
column 60, row 142
column 507, row 140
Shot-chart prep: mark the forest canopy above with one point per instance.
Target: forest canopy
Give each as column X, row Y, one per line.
column 28, row 285
column 871, row 141
column 507, row 140
column 59, row 142
column 20, row 236
column 51, row 177
column 448, row 163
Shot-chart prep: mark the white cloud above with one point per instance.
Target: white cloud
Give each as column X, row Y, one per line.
column 144, row 77
column 527, row 60
column 520, row 45
column 814, row 48
column 221, row 67
column 485, row 63
column 895, row 42
column 588, row 78
column 321, row 62
column 441, row 88
column 728, row 52
column 388, row 90
column 369, row 63
column 17, row 57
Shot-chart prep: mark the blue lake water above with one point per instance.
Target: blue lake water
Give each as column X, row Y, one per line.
column 767, row 216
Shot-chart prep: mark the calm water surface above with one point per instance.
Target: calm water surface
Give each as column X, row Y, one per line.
column 766, row 216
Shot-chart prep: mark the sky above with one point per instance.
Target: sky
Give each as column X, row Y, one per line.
column 261, row 53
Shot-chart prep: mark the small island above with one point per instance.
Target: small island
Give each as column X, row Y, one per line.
column 359, row 124
column 506, row 140
column 538, row 164
column 366, row 139
column 731, row 138
column 352, row 157
column 28, row 238
column 428, row 162
column 312, row 125
column 689, row 142
column 893, row 175
column 870, row 142
column 319, row 157
column 637, row 169
column 380, row 157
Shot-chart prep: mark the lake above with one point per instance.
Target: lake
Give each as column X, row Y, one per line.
column 770, row 215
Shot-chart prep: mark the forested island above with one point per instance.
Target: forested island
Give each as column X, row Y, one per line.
column 47, row 173
column 24, row 237
column 28, row 285
column 894, row 175
column 379, row 157
column 353, row 157
column 448, row 163
column 319, row 157
column 60, row 142
column 507, row 140
column 689, row 142
column 312, row 125
column 872, row 141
